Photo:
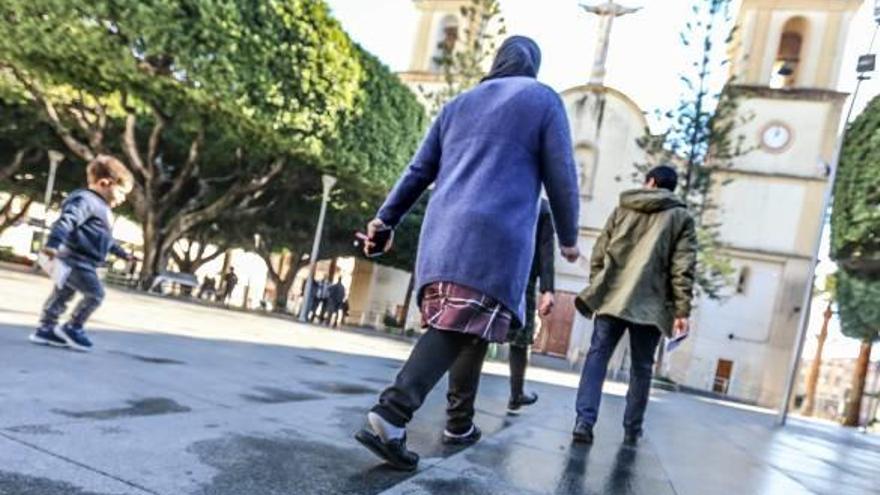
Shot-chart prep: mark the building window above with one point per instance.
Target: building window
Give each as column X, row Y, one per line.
column 447, row 37
column 788, row 56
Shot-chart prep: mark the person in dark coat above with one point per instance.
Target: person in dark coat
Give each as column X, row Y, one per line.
column 488, row 153
column 543, row 268
column 230, row 280
column 335, row 298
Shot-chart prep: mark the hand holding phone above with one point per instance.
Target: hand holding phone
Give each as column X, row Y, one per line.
column 378, row 239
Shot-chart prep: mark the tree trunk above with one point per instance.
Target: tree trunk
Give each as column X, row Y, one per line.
column 809, row 406
column 282, row 294
column 156, row 248
column 8, row 219
column 854, row 404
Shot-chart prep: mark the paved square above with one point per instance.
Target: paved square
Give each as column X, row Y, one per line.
column 184, row 399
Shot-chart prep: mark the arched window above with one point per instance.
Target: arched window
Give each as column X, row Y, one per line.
column 788, row 55
column 447, row 36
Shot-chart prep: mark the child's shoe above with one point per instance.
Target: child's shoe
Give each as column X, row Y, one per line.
column 74, row 337
column 46, row 336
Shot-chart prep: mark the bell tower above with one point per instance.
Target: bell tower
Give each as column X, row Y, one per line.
column 440, row 21
column 791, row 43
column 786, row 58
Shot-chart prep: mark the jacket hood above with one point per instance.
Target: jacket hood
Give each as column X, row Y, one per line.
column 650, row 200
column 517, row 56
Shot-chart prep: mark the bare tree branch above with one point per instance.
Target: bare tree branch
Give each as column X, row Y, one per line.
column 12, row 220
column 130, row 148
column 76, row 147
column 10, row 170
column 190, row 168
column 155, row 140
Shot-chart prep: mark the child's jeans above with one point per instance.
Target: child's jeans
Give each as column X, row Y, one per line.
column 83, row 280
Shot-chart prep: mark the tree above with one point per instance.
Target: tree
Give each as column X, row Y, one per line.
column 464, row 58
column 855, row 244
column 701, row 137
column 24, row 141
column 855, row 221
column 206, row 102
column 859, row 303
column 809, row 405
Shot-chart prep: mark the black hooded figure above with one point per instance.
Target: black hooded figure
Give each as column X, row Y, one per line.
column 488, row 154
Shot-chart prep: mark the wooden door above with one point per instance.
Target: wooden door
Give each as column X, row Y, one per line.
column 555, row 332
column 723, row 372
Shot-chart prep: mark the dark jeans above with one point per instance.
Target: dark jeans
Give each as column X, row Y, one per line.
column 436, row 352
column 82, row 280
column 519, row 360
column 643, row 340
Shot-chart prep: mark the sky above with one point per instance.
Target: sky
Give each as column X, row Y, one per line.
column 645, row 61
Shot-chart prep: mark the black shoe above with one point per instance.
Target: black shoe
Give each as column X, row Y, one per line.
column 582, row 432
column 522, row 400
column 394, row 452
column 463, row 441
column 631, row 438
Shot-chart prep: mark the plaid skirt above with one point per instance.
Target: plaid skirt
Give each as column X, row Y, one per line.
column 457, row 308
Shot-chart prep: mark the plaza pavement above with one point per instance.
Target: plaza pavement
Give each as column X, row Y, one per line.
column 179, row 398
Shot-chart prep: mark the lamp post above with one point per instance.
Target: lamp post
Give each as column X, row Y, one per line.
column 328, row 181
column 55, row 158
column 865, row 66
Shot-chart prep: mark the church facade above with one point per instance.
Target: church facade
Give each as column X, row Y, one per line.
column 770, row 209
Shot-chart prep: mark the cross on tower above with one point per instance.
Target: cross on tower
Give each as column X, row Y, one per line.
column 607, row 12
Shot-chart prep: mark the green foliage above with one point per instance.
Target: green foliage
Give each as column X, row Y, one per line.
column 701, row 137
column 858, row 300
column 855, row 218
column 376, row 140
column 463, row 62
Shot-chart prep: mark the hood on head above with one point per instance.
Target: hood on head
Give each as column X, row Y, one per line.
column 517, row 56
column 650, row 200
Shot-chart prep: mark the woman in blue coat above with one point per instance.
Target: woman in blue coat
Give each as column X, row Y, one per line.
column 488, row 154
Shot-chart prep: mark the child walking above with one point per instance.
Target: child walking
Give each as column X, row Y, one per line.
column 81, row 238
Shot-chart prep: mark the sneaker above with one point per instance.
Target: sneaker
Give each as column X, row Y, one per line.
column 523, row 400
column 394, row 451
column 631, row 438
column 471, row 437
column 74, row 337
column 45, row 336
column 582, row 432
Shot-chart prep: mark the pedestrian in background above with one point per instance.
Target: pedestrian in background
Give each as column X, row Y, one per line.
column 521, row 338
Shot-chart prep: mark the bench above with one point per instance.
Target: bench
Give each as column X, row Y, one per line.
column 176, row 279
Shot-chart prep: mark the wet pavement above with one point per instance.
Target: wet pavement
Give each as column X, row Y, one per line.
column 181, row 399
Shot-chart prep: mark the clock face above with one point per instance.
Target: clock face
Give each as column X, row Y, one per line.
column 776, row 137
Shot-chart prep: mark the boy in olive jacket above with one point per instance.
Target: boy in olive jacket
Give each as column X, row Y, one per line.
column 641, row 280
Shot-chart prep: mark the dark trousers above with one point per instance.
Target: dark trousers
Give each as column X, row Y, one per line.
column 436, row 352
column 643, row 340
column 82, row 280
column 519, row 360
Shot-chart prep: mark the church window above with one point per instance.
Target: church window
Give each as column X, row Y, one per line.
column 447, row 37
column 788, row 55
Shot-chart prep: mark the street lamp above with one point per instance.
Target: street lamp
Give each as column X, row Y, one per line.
column 328, row 181
column 55, row 158
column 865, row 66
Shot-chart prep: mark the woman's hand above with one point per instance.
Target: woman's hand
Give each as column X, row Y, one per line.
column 375, row 225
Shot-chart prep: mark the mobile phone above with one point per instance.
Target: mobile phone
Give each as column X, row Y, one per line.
column 379, row 240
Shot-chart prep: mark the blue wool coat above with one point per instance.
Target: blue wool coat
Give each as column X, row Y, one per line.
column 488, row 153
